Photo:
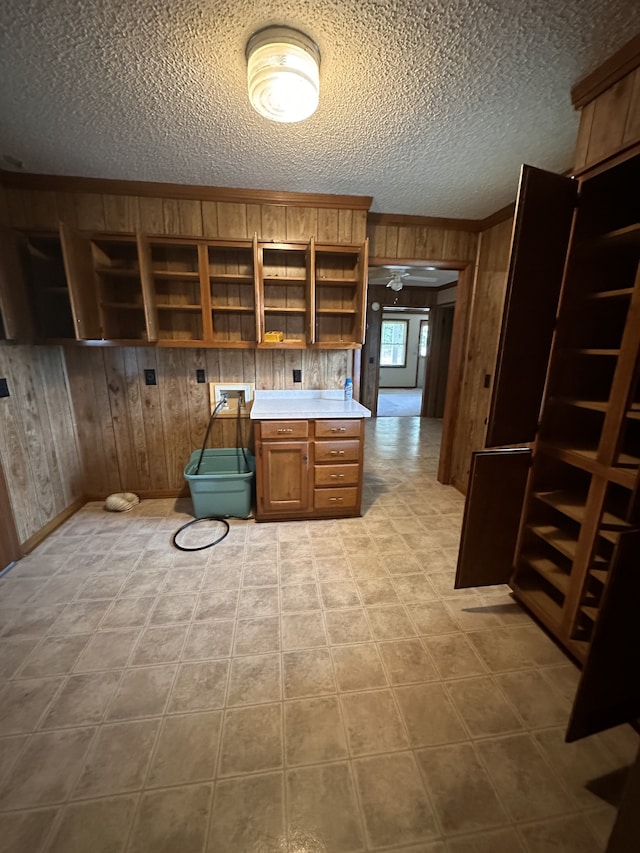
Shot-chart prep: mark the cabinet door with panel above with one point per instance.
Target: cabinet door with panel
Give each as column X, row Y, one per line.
column 83, row 294
column 544, row 213
column 16, row 322
column 282, row 468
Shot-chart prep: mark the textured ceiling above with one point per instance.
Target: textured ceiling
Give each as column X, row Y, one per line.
column 430, row 107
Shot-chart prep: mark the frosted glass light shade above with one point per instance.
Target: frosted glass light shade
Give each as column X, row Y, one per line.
column 283, row 74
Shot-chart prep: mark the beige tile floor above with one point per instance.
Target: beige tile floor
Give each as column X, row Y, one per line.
column 300, row 687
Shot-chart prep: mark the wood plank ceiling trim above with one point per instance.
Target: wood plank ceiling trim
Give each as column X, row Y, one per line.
column 64, row 183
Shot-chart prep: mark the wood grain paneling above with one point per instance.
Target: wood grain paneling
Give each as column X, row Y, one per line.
column 610, row 123
column 39, row 446
column 405, row 242
column 487, row 301
column 138, row 437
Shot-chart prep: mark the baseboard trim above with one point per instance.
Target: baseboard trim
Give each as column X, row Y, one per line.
column 150, row 494
column 35, row 540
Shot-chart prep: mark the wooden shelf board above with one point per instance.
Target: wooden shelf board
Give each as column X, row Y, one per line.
column 578, row 648
column 232, row 309
column 596, row 351
column 581, row 457
column 541, row 604
column 337, row 345
column 627, row 460
column 219, row 342
column 346, row 312
column 286, row 344
column 182, row 342
column 568, row 503
column 550, row 572
column 163, row 306
column 629, row 235
column 599, row 574
column 612, row 294
column 633, row 411
column 589, row 612
column 177, row 274
column 593, row 405
column 285, row 310
column 231, row 278
column 335, row 282
column 557, row 538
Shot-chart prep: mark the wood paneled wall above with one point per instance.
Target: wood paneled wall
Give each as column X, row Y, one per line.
column 131, row 436
column 137, row 437
column 39, row 448
column 23, row 208
column 609, row 123
column 481, row 348
column 410, row 241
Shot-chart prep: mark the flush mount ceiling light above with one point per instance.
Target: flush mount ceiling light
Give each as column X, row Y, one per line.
column 283, row 74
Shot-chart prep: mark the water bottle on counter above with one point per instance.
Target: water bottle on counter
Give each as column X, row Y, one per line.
column 348, row 389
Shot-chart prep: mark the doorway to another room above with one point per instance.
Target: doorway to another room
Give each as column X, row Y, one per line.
column 402, row 361
column 409, row 333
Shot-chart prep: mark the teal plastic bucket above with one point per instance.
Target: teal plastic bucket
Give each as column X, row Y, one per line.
column 223, row 485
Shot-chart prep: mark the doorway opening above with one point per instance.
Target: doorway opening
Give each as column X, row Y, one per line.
column 437, row 292
column 404, row 334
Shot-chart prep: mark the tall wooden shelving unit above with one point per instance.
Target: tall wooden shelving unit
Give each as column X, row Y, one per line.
column 558, row 517
column 582, row 491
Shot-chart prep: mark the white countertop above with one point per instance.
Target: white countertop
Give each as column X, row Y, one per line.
column 276, row 405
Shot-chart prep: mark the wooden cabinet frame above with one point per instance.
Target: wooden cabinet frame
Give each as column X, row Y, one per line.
column 304, row 301
column 571, row 554
column 309, row 469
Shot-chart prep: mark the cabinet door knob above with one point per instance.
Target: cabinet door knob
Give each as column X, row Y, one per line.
column 337, row 453
column 284, row 430
column 336, row 500
column 337, row 476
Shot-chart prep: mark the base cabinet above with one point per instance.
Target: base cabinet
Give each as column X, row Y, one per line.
column 308, row 469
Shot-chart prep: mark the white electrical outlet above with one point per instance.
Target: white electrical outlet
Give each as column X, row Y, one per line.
column 231, row 391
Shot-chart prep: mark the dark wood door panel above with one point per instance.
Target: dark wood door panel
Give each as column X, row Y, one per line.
column 491, row 520
column 544, row 214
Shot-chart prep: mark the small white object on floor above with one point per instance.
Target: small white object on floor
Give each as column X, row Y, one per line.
column 121, row 502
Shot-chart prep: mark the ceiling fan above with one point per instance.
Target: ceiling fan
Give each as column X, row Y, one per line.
column 394, row 276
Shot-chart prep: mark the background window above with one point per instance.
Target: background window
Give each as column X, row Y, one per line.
column 393, row 347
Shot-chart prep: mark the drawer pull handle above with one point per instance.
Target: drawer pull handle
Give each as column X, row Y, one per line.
column 338, row 429
column 336, row 500
column 336, row 453
column 337, row 476
column 284, row 430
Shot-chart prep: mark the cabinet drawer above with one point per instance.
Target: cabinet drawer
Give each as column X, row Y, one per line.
column 338, row 429
column 337, row 451
column 335, row 498
column 336, row 475
column 284, row 429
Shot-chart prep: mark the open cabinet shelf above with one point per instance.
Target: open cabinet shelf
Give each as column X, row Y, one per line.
column 577, row 529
